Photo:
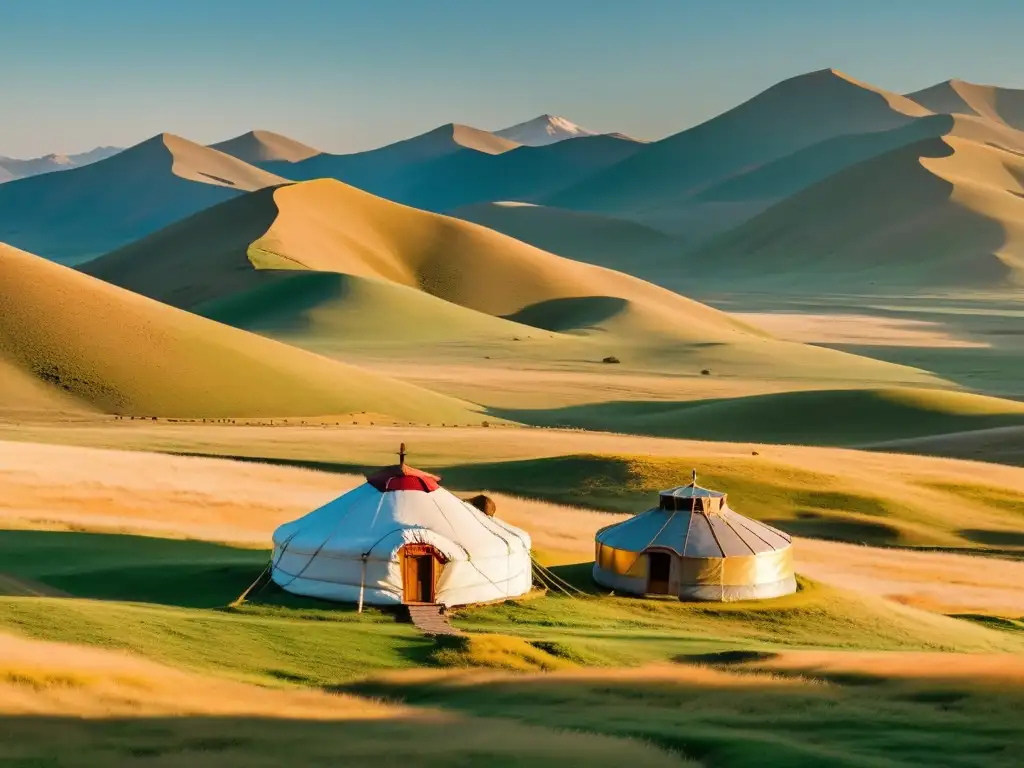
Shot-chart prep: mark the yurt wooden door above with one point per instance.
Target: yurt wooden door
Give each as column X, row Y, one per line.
column 419, row 573
column 659, row 572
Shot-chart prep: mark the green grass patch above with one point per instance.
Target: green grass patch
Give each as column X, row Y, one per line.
column 195, row 574
column 265, row 645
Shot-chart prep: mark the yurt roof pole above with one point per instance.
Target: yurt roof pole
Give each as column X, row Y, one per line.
column 401, row 454
column 362, row 580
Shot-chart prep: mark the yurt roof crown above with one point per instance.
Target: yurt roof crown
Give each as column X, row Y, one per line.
column 692, row 497
column 402, row 477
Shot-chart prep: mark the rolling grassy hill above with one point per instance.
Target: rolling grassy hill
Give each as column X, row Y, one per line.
column 312, row 305
column 268, row 244
column 942, row 212
column 77, row 214
column 119, row 352
column 328, row 227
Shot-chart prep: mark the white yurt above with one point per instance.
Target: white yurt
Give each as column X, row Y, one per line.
column 400, row 538
column 693, row 546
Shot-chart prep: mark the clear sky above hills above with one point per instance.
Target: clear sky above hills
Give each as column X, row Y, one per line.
column 346, row 75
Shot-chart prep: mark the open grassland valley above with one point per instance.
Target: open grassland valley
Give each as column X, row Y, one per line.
column 666, row 442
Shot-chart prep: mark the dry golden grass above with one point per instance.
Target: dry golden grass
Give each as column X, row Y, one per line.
column 528, row 384
column 896, row 475
column 50, row 487
column 935, row 581
column 46, row 487
column 90, row 707
column 991, row 671
column 57, row 678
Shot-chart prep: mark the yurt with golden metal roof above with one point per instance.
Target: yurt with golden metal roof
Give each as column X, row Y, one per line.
column 693, row 546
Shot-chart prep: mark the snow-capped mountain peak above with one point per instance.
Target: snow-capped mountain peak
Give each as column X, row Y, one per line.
column 546, row 129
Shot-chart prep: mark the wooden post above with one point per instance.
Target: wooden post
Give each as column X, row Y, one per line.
column 362, row 585
column 401, row 455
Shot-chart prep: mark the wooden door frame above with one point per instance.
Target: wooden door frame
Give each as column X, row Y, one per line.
column 409, row 556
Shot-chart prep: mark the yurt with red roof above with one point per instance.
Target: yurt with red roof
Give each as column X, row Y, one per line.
column 400, row 538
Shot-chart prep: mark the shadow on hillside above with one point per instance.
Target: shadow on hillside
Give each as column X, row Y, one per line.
column 334, row 467
column 192, row 574
column 994, row 538
column 235, row 741
column 142, row 569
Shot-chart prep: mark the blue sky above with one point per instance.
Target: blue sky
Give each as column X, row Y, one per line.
column 346, row 75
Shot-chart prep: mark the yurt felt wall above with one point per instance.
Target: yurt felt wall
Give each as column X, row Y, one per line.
column 355, row 548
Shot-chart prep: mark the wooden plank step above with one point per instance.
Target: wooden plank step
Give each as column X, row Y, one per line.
column 429, row 620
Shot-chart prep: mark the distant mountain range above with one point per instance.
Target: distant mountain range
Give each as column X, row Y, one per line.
column 11, row 168
column 84, row 212
column 819, row 182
